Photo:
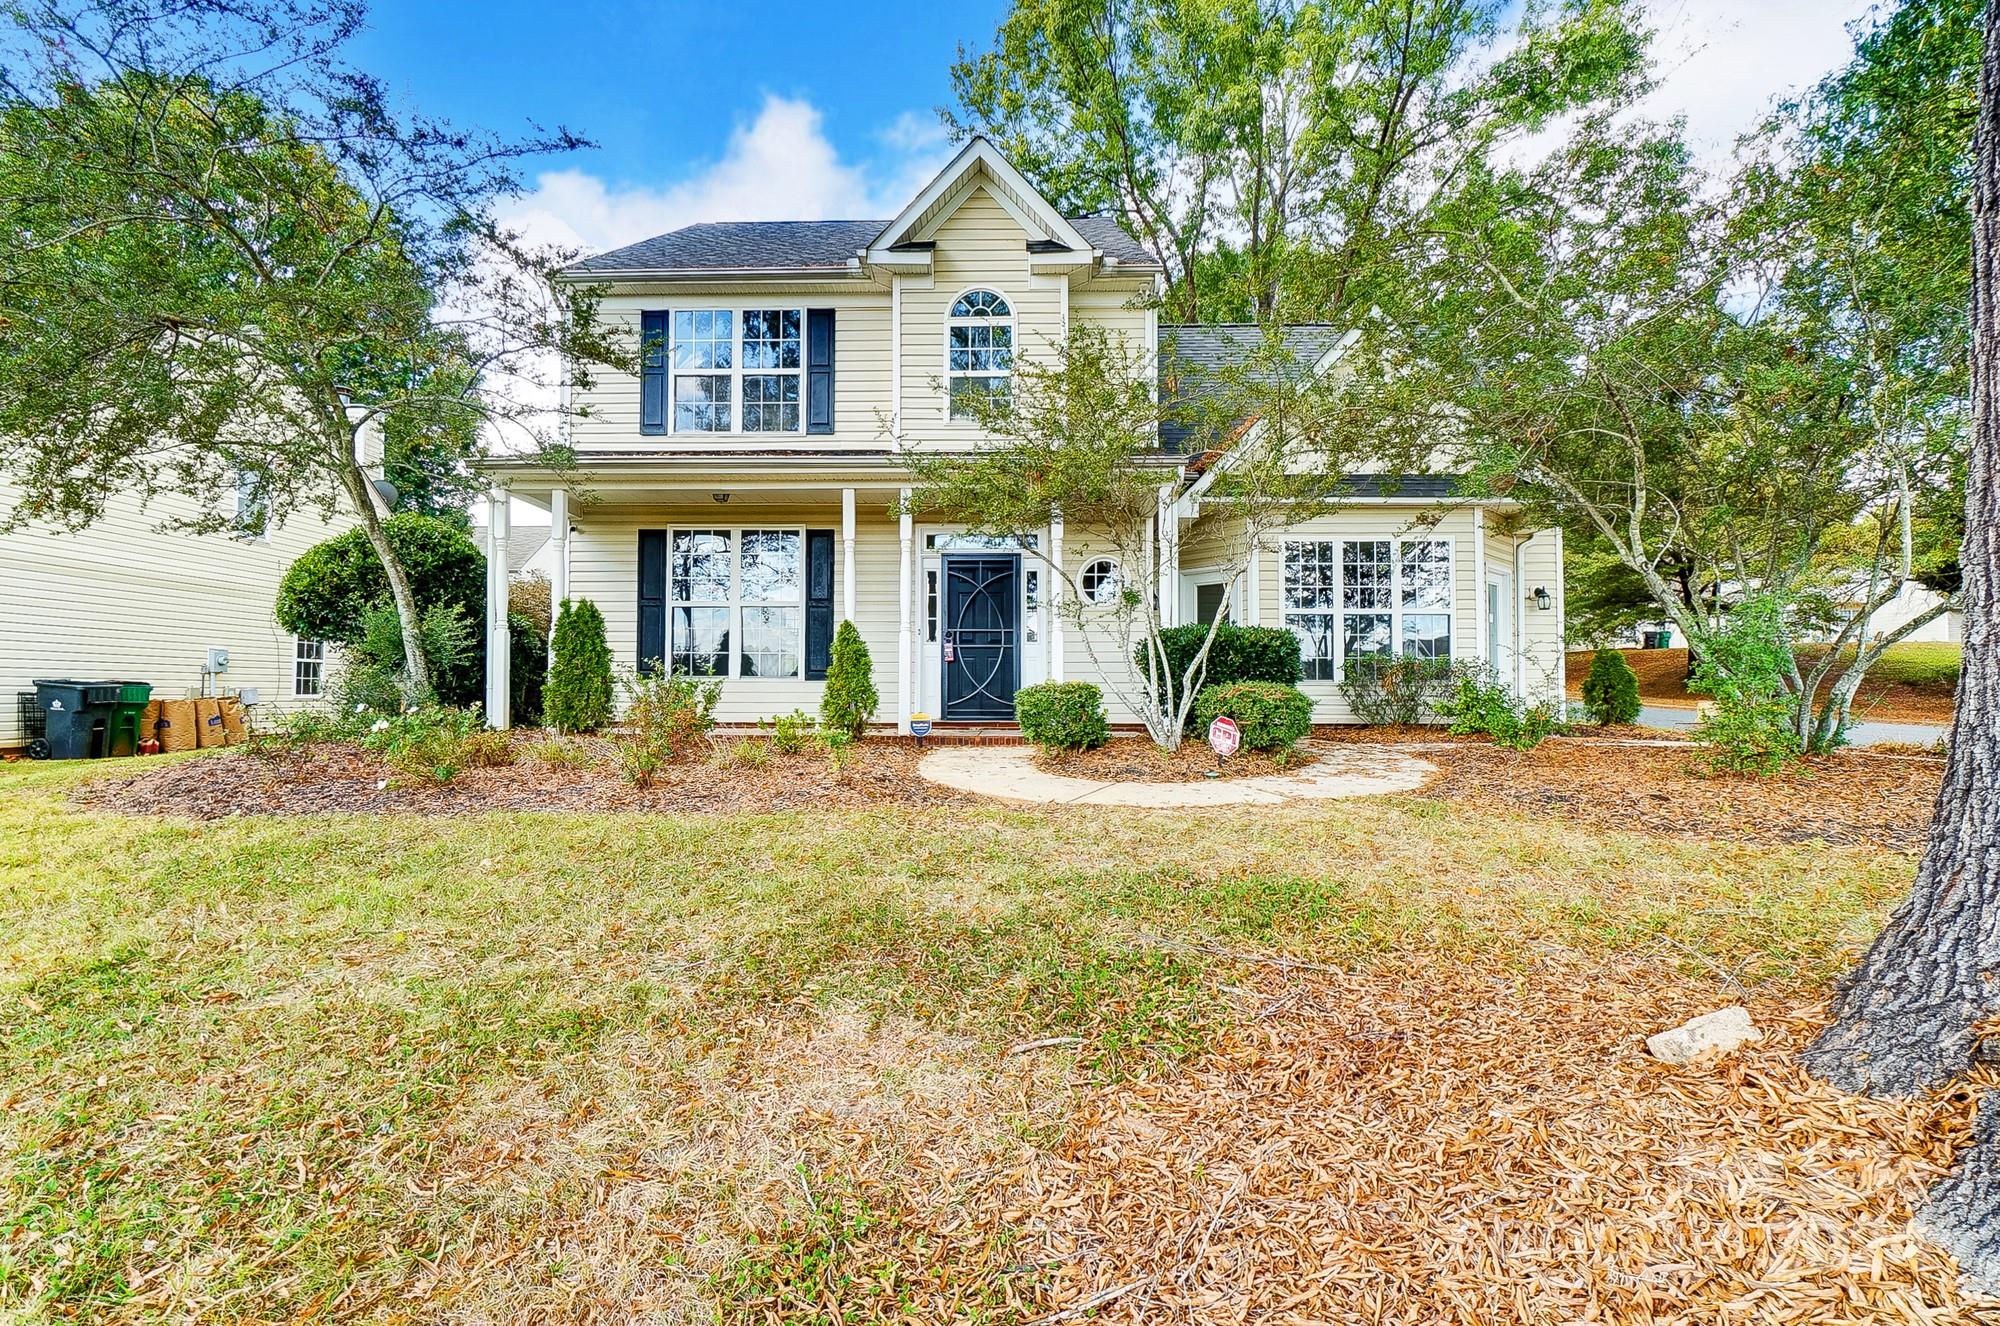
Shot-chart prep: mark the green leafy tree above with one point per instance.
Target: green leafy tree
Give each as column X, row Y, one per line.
column 1279, row 154
column 230, row 261
column 1611, row 688
column 576, row 697
column 849, row 701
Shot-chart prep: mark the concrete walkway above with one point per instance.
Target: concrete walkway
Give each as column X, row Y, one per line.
column 1860, row 734
column 1009, row 774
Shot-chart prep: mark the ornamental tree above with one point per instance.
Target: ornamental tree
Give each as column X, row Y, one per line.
column 230, row 262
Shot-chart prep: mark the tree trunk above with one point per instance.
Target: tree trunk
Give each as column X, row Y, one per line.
column 1906, row 1020
column 417, row 685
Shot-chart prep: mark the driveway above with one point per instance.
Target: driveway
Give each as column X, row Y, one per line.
column 1860, row 734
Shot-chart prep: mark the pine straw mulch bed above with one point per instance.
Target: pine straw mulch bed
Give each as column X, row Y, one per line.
column 339, row 779
column 1445, row 1143
column 1848, row 797
column 1662, row 677
column 1137, row 759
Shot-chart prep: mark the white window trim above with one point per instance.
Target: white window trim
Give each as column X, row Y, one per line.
column 735, row 603
column 299, row 643
column 247, row 482
column 1396, row 610
column 736, row 373
column 1013, row 344
column 1117, row 579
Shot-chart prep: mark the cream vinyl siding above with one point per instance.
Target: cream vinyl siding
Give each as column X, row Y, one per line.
column 1541, row 632
column 124, row 600
column 1095, row 653
column 604, row 568
column 860, row 371
column 1114, row 306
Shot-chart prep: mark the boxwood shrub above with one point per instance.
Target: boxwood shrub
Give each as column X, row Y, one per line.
column 1062, row 715
column 1271, row 717
column 1240, row 653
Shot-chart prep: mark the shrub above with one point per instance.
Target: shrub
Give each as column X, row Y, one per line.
column 850, row 699
column 559, row 754
column 792, row 733
column 1743, row 665
column 1062, row 715
column 330, row 590
column 670, row 716
column 1482, row 705
column 1748, row 735
column 1399, row 690
column 1240, row 653
column 1611, row 688
column 370, row 675
column 839, row 748
column 577, row 695
column 426, row 745
column 528, row 596
column 528, row 668
column 750, row 753
column 1269, row 716
column 488, row 749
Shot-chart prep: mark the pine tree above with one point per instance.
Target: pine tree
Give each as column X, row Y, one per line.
column 577, row 695
column 1611, row 690
column 850, row 697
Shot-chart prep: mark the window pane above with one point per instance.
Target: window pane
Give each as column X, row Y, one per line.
column 966, row 391
column 771, row 641
column 1426, row 635
column 1367, row 635
column 770, row 568
column 1310, row 575
column 1427, row 574
column 1315, row 633
column 1365, row 574
column 771, row 403
column 701, row 566
column 700, row 645
column 771, row 338
column 702, row 403
column 980, row 304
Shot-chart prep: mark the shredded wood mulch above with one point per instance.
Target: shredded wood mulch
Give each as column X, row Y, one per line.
column 338, row 779
column 1137, row 759
column 1464, row 1145
column 1849, row 797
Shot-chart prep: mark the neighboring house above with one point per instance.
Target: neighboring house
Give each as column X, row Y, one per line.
column 1912, row 600
column 124, row 599
column 744, row 485
column 530, row 552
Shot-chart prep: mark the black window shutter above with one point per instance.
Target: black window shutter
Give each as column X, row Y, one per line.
column 819, row 370
column 652, row 601
column 653, row 372
column 819, row 603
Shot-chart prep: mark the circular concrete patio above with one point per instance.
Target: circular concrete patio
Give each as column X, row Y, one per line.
column 1008, row 773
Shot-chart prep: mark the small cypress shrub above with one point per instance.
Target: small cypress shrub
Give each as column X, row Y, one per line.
column 577, row 695
column 1269, row 716
column 850, row 698
column 1062, row 715
column 1611, row 688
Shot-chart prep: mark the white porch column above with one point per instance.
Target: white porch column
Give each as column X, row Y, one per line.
column 904, row 669
column 847, row 553
column 1056, row 667
column 498, row 683
column 559, row 541
column 1253, row 607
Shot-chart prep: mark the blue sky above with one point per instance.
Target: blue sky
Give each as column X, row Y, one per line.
column 760, row 112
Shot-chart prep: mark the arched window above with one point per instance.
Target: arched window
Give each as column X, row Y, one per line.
column 979, row 351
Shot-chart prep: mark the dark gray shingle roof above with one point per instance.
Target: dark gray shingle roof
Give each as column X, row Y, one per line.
column 734, row 245
column 1192, row 355
column 522, row 545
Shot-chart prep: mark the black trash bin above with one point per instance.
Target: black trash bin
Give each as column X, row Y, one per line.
column 76, row 715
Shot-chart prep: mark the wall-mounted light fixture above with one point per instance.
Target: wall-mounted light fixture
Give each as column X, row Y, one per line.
column 1543, row 600
column 720, row 497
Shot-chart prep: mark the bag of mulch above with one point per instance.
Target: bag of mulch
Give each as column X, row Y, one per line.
column 208, row 722
column 177, row 726
column 232, row 720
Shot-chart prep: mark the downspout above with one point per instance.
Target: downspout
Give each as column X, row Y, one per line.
column 1520, row 636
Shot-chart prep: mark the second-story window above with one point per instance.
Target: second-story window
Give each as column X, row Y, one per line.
column 736, row 370
column 979, row 352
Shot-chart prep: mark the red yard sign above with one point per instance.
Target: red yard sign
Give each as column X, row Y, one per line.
column 1223, row 737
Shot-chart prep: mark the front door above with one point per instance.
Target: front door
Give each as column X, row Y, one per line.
column 980, row 637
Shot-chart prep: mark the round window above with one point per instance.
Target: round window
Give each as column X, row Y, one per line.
column 1101, row 582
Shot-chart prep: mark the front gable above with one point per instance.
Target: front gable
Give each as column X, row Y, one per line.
column 977, row 169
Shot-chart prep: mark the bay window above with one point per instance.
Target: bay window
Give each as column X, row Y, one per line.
column 1354, row 599
column 744, row 588
column 736, row 370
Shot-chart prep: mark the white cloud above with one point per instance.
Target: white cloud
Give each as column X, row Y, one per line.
column 1725, row 64
column 779, row 166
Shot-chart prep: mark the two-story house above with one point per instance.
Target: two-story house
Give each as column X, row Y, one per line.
column 744, row 486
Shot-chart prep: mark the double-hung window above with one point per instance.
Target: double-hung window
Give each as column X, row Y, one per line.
column 308, row 668
column 979, row 352
column 736, row 370
column 738, row 602
column 1355, row 599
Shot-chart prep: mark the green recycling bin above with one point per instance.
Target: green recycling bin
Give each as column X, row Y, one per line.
column 125, row 717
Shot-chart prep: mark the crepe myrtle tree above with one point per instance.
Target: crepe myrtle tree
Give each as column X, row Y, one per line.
column 1623, row 351
column 1077, row 437
column 228, row 259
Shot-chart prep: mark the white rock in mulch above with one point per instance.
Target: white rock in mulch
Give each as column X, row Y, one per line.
column 1710, row 1036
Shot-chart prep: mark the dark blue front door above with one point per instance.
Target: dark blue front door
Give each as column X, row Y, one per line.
column 981, row 642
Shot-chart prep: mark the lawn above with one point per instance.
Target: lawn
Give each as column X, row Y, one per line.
column 931, row 1062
